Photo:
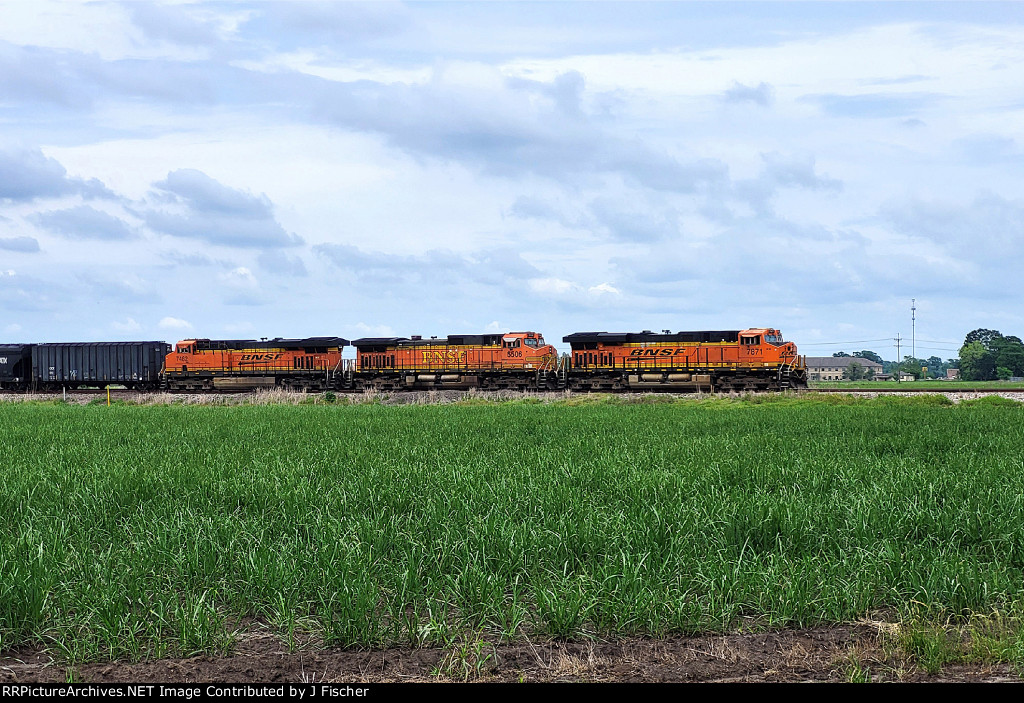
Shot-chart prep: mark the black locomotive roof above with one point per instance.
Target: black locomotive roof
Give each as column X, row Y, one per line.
column 276, row 343
column 707, row 336
column 96, row 344
column 483, row 340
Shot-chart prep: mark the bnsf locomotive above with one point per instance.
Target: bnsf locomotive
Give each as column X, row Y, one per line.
column 737, row 360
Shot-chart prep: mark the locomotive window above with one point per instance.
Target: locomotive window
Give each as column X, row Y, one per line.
column 530, row 342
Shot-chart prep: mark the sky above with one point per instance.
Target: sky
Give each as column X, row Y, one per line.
column 237, row 170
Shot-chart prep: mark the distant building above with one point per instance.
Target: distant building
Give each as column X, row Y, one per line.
column 952, row 373
column 831, row 368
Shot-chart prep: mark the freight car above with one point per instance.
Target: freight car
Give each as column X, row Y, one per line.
column 15, row 366
column 516, row 360
column 309, row 364
column 755, row 359
column 134, row 365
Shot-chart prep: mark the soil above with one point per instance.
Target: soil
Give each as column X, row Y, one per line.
column 836, row 653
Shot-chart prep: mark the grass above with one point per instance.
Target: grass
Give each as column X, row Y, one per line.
column 138, row 532
column 934, row 385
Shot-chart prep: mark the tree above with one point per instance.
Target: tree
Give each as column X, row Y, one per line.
column 986, row 337
column 1009, row 354
column 1003, row 373
column 976, row 362
column 840, row 354
column 869, row 355
column 853, row 372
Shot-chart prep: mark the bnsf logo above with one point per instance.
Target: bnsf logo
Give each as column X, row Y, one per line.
column 3, row 359
column 444, row 357
column 658, row 351
column 261, row 357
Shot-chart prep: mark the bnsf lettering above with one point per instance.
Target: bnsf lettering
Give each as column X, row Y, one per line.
column 450, row 356
column 658, row 351
column 261, row 357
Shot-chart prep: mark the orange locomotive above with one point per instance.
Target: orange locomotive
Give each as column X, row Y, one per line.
column 517, row 360
column 730, row 360
column 313, row 363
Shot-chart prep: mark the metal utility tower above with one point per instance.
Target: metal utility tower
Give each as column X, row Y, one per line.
column 913, row 327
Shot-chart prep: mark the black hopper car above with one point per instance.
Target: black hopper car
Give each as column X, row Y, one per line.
column 50, row 367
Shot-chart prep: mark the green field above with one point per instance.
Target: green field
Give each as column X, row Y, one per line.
column 141, row 532
column 936, row 385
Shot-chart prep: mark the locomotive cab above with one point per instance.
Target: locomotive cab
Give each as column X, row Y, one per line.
column 528, row 349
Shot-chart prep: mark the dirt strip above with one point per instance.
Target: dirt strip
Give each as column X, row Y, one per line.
column 840, row 653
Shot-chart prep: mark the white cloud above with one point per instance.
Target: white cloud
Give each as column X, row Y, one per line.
column 174, row 323
column 604, row 289
column 552, row 286
column 126, row 325
column 240, row 277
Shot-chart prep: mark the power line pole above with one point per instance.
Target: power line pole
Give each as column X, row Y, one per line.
column 899, row 359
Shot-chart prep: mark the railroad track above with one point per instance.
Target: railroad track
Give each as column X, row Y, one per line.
column 126, row 393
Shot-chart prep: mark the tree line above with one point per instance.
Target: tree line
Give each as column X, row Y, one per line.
column 932, row 367
column 986, row 355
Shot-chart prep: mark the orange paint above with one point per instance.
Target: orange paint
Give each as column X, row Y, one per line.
column 751, row 351
column 203, row 357
column 515, row 351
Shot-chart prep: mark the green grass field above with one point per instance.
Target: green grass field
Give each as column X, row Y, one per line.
column 137, row 532
column 936, row 385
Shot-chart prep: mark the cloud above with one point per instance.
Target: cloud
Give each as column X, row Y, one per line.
column 557, row 287
column 240, row 278
column 986, row 231
column 174, row 323
column 120, row 288
column 280, row 263
column 22, row 244
column 493, row 267
column 626, row 222
column 988, row 149
column 873, row 105
column 20, row 294
column 796, row 171
column 291, row 24
column 762, row 94
column 84, row 222
column 172, row 23
column 201, row 207
column 778, row 171
column 127, row 325
column 508, row 127
column 27, row 174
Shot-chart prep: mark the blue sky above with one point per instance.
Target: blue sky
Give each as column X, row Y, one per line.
column 171, row 170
